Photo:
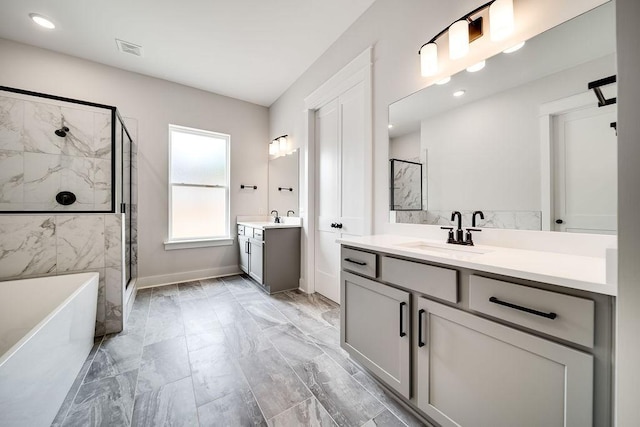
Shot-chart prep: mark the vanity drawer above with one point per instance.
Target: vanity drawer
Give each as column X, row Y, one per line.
column 427, row 279
column 360, row 262
column 258, row 234
column 563, row 316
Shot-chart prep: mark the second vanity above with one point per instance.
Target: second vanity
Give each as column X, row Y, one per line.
column 480, row 335
column 270, row 253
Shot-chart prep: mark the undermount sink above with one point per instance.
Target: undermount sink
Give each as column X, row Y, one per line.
column 444, row 248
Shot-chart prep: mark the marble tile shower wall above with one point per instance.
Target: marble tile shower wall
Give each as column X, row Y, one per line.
column 518, row 220
column 41, row 245
column 36, row 164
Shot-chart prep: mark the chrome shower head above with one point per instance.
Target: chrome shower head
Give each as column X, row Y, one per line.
column 62, row 132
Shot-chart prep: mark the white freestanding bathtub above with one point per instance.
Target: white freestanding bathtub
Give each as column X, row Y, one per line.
column 46, row 333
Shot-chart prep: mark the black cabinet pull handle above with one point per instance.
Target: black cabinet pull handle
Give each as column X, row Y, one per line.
column 402, row 332
column 355, row 262
column 420, row 314
column 559, row 221
column 525, row 309
column 339, row 225
column 333, row 225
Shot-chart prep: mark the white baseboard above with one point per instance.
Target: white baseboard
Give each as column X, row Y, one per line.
column 168, row 279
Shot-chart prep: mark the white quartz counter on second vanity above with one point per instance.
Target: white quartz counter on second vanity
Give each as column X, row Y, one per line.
column 571, row 271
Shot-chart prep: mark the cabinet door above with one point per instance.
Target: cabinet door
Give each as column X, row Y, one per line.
column 243, row 243
column 256, row 262
column 475, row 372
column 375, row 329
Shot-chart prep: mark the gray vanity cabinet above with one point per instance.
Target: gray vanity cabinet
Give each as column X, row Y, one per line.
column 467, row 350
column 375, row 329
column 271, row 256
column 475, row 372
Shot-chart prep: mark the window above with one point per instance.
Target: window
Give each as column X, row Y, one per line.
column 198, row 188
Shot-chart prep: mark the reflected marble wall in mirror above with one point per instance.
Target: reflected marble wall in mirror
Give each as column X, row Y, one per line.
column 283, row 184
column 527, row 143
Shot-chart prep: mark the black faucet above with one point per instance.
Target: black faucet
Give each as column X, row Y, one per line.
column 473, row 218
column 460, row 237
column 459, row 232
column 276, row 218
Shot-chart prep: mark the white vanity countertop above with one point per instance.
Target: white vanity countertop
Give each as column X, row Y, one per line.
column 264, row 225
column 571, row 271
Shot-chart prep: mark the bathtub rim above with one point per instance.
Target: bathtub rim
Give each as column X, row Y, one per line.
column 90, row 277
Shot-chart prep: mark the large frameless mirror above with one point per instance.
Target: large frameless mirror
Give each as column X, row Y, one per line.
column 526, row 140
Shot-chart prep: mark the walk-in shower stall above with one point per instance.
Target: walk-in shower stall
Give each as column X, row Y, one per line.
column 67, row 194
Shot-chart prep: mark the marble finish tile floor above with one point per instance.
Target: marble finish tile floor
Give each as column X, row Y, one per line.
column 220, row 352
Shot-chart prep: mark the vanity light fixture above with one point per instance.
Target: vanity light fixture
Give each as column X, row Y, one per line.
column 280, row 146
column 42, row 21
column 459, row 93
column 476, row 67
column 465, row 30
column 514, row 48
column 444, row 81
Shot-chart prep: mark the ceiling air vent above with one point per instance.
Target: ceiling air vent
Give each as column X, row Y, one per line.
column 127, row 47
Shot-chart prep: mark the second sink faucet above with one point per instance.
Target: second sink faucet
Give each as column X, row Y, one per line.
column 473, row 218
column 276, row 218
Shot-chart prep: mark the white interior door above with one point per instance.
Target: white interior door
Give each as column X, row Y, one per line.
column 327, row 258
column 585, row 176
column 340, row 183
column 352, row 164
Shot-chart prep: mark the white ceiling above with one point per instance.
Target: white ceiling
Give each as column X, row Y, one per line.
column 247, row 49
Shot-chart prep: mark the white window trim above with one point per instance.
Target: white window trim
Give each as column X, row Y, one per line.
column 200, row 243
column 172, row 244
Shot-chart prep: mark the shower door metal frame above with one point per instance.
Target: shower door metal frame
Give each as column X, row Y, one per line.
column 113, row 149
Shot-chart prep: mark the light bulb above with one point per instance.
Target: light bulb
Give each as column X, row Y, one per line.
column 501, row 19
column 476, row 67
column 444, row 81
column 459, row 93
column 458, row 39
column 429, row 59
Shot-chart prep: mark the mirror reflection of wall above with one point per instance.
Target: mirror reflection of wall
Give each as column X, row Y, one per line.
column 527, row 143
column 283, row 184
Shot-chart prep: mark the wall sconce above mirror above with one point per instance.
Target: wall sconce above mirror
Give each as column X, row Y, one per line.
column 466, row 30
column 280, row 146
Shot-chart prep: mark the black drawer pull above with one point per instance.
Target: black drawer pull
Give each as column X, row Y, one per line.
column 420, row 322
column 355, row 262
column 525, row 309
column 402, row 332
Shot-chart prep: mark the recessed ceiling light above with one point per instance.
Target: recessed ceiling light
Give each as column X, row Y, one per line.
column 476, row 67
column 514, row 48
column 444, row 81
column 458, row 93
column 390, row 126
column 42, row 21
